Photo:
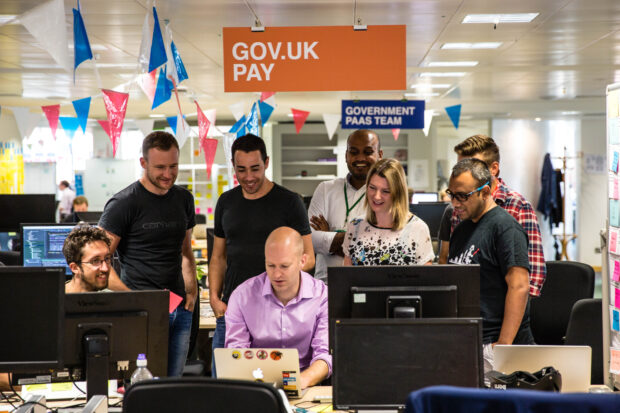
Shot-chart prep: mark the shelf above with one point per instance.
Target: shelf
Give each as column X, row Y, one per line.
column 323, row 148
column 309, row 178
column 327, row 163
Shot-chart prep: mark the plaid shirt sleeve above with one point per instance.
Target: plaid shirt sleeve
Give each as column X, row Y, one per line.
column 525, row 215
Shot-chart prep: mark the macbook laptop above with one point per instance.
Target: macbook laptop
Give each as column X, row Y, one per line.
column 573, row 362
column 269, row 365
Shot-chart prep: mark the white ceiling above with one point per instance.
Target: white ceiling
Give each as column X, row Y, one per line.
column 557, row 65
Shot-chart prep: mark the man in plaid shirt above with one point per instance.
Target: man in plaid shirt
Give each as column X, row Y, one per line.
column 484, row 148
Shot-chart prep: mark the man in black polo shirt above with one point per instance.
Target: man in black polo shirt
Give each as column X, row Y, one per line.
column 244, row 218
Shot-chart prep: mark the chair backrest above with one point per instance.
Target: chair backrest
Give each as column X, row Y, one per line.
column 585, row 328
column 566, row 283
column 201, row 394
column 463, row 400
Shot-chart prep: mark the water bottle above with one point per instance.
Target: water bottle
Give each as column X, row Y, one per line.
column 141, row 373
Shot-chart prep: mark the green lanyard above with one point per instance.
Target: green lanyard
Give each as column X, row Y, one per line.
column 346, row 201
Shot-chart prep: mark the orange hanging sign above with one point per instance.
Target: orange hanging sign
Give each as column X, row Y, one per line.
column 316, row 58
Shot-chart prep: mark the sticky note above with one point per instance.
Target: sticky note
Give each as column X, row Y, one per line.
column 190, row 179
column 614, row 361
column 175, row 300
column 209, row 210
column 209, row 186
column 615, row 320
column 211, row 217
column 198, row 210
column 209, row 195
column 616, row 274
column 613, row 239
column 614, row 213
column 616, row 297
column 196, row 202
column 190, row 187
column 614, row 162
column 198, row 195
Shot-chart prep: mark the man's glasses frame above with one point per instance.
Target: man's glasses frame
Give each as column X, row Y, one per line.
column 463, row 197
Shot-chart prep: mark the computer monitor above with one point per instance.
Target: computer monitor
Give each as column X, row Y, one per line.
column 8, row 240
column 32, row 308
column 424, row 197
column 431, row 213
column 105, row 332
column 42, row 245
column 377, row 363
column 371, row 291
column 17, row 209
column 89, row 216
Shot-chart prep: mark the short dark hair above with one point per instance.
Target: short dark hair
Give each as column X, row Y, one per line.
column 78, row 238
column 478, row 169
column 249, row 143
column 160, row 140
column 65, row 183
column 79, row 200
column 479, row 144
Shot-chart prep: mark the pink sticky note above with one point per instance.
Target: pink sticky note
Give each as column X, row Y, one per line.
column 616, row 275
column 198, row 210
column 175, row 300
column 617, row 297
column 209, row 210
column 614, row 361
column 613, row 239
column 616, row 192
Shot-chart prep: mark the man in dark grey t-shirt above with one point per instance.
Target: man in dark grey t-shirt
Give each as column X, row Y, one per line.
column 244, row 218
column 491, row 237
column 150, row 225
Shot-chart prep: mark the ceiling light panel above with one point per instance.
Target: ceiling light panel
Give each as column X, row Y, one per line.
column 477, row 45
column 499, row 18
column 470, row 63
column 442, row 74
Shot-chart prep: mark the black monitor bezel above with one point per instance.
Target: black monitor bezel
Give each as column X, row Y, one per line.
column 39, row 365
column 341, row 279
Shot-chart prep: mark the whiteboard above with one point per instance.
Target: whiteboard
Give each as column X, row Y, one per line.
column 105, row 177
column 40, row 178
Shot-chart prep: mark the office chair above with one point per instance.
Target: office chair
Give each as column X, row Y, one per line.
column 202, row 394
column 449, row 399
column 566, row 283
column 585, row 328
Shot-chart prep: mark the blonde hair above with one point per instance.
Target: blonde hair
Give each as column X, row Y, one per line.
column 393, row 172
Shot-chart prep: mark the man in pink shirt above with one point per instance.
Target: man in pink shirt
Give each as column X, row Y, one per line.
column 283, row 307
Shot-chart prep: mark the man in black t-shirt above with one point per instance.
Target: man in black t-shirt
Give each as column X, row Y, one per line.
column 491, row 237
column 150, row 225
column 244, row 218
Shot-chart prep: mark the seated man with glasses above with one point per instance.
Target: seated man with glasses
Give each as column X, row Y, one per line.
column 491, row 237
column 87, row 251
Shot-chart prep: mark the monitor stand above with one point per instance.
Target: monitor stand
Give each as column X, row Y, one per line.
column 97, row 354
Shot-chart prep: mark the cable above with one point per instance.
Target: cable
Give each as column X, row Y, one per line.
column 256, row 19
column 12, row 389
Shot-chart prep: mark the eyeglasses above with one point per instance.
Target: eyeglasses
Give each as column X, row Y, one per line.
column 98, row 262
column 462, row 196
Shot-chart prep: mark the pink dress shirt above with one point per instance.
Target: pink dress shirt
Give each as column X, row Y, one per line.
column 256, row 318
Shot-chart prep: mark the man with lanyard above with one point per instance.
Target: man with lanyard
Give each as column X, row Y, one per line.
column 337, row 202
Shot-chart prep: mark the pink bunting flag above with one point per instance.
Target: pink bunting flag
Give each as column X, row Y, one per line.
column 203, row 123
column 148, row 84
column 209, row 146
column 266, row 95
column 52, row 112
column 105, row 125
column 299, row 117
column 116, row 107
column 395, row 133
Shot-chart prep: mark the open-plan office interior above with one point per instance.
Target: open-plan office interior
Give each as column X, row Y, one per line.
column 533, row 75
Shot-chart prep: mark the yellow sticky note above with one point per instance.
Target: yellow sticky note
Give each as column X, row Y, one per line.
column 209, row 186
column 198, row 195
column 190, row 187
column 62, row 386
column 35, row 387
column 196, row 202
column 220, row 177
column 210, row 217
column 321, row 408
column 209, row 196
column 190, row 179
column 224, row 182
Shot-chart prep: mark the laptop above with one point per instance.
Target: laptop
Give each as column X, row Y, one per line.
column 573, row 362
column 279, row 366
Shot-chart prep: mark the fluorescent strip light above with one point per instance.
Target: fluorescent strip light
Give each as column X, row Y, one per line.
column 421, row 95
column 500, row 18
column 478, row 45
column 428, row 85
column 442, row 74
column 453, row 64
column 117, row 65
column 156, row 115
column 5, row 18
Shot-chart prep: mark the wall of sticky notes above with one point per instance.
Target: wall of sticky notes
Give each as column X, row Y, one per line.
column 611, row 274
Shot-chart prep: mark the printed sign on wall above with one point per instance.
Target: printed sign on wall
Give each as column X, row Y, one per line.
column 382, row 114
column 316, row 58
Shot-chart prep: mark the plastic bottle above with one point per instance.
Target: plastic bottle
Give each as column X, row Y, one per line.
column 141, row 373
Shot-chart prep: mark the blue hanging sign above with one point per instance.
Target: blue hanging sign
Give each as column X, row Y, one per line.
column 382, row 114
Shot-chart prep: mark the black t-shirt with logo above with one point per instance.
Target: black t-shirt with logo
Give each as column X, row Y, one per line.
column 246, row 224
column 152, row 228
column 496, row 242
